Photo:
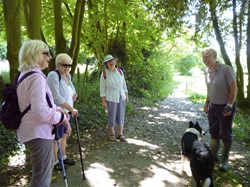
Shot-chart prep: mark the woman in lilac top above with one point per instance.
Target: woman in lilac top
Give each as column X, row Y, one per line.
column 114, row 94
column 35, row 130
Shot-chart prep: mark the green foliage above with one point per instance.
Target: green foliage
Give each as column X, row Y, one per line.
column 185, row 64
column 3, row 51
column 6, row 77
column 241, row 128
column 151, row 78
column 196, row 97
column 9, row 144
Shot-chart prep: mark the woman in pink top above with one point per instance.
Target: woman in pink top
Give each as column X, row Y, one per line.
column 35, row 130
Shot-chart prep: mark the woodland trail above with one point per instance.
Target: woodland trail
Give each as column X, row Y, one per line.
column 151, row 155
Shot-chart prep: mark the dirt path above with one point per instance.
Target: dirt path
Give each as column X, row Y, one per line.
column 151, row 156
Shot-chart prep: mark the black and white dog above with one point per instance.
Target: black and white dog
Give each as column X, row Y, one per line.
column 199, row 155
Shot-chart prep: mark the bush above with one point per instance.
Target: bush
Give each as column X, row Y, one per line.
column 150, row 79
column 9, row 144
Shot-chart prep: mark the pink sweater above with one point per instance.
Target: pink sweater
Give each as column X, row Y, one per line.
column 38, row 121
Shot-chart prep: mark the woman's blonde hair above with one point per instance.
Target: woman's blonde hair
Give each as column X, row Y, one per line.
column 31, row 53
column 63, row 57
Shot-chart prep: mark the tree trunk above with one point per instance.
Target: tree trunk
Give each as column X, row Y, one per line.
column 248, row 52
column 105, row 28
column 218, row 33
column 32, row 13
column 239, row 74
column 76, row 32
column 59, row 37
column 13, row 32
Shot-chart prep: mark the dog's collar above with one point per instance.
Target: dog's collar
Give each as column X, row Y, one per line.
column 194, row 131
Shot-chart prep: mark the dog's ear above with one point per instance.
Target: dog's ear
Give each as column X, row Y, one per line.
column 198, row 127
column 191, row 124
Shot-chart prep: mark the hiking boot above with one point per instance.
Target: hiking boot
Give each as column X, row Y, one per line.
column 214, row 147
column 58, row 167
column 69, row 162
column 226, row 146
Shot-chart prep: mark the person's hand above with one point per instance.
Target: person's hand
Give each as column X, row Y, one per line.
column 227, row 110
column 205, row 108
column 104, row 104
column 127, row 99
column 74, row 97
column 74, row 112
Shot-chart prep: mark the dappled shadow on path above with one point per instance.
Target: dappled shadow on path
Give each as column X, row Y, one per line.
column 151, row 155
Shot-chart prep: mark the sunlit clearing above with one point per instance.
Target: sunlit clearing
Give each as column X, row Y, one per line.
column 18, row 159
column 236, row 156
column 142, row 143
column 171, row 116
column 98, row 175
column 160, row 177
column 145, row 108
column 176, row 166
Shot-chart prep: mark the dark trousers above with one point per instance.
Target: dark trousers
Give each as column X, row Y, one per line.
column 220, row 127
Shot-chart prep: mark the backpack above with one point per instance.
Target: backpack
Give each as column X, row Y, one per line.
column 10, row 114
column 105, row 76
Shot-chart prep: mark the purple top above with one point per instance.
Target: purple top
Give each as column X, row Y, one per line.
column 38, row 121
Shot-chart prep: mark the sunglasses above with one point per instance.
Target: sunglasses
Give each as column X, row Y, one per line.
column 66, row 65
column 47, row 53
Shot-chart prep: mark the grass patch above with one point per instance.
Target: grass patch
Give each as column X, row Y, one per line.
column 241, row 128
column 195, row 97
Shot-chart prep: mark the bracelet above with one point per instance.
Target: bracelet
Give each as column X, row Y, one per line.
column 230, row 105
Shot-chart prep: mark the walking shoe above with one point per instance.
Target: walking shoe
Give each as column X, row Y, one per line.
column 58, row 167
column 69, row 162
column 121, row 138
column 111, row 137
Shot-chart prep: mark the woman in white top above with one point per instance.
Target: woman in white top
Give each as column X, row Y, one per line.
column 64, row 94
column 114, row 95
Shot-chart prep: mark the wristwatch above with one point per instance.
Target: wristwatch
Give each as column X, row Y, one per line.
column 230, row 105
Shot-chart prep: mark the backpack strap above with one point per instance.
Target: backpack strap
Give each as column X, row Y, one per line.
column 59, row 74
column 23, row 77
column 48, row 100
column 104, row 74
column 120, row 71
column 17, row 84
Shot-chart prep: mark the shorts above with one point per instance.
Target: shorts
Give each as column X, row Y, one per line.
column 116, row 113
column 62, row 129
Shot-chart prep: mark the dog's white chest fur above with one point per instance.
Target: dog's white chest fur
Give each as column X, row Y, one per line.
column 194, row 131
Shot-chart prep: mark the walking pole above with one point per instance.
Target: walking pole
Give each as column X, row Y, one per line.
column 60, row 155
column 79, row 145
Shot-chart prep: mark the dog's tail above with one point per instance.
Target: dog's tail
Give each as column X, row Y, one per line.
column 207, row 182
